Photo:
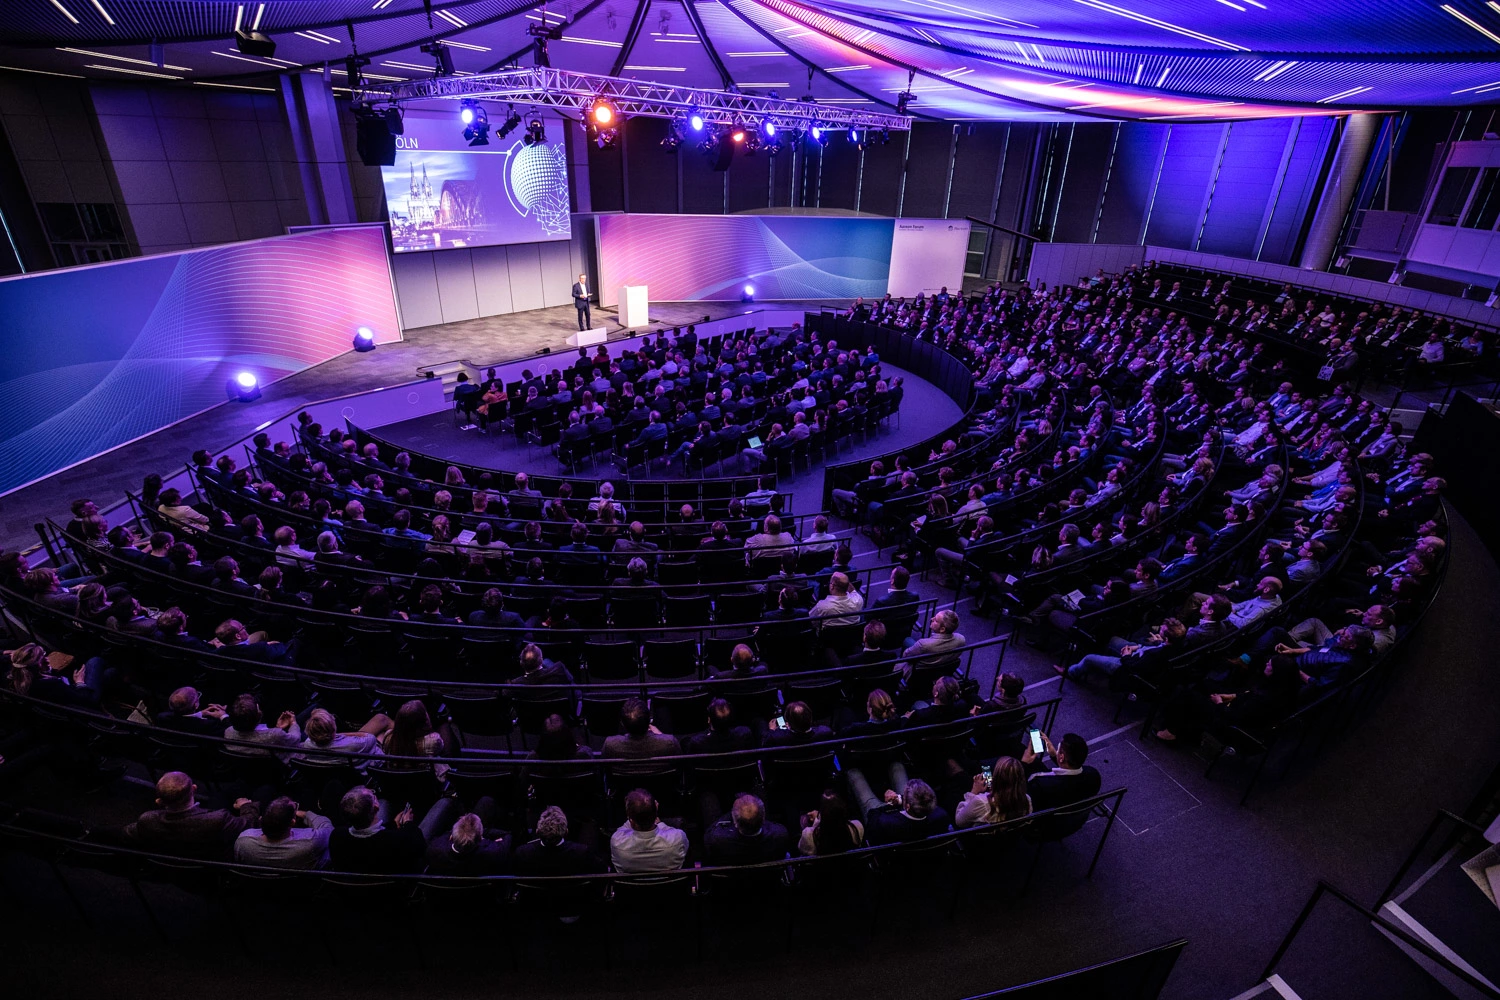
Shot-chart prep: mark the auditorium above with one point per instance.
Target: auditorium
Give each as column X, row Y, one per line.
column 568, row 498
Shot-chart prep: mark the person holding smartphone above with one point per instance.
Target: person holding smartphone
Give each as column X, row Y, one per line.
column 1069, row 780
column 996, row 796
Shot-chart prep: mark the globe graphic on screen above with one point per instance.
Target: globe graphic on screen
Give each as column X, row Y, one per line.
column 538, row 180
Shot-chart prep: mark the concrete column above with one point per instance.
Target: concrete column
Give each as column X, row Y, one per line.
column 1339, row 189
column 318, row 141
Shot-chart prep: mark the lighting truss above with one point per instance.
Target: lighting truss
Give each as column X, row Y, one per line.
column 544, row 86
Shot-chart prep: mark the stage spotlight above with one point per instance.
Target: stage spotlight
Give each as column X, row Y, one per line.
column 749, row 294
column 695, row 121
column 244, row 387
column 605, row 137
column 859, row 137
column 603, row 113
column 476, row 122
column 512, row 122
column 737, row 132
column 364, row 339
column 768, row 128
column 820, row 135
column 885, row 136
column 673, row 138
column 536, row 132
column 903, row 101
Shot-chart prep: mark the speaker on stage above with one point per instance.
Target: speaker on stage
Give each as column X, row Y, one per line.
column 722, row 154
column 376, row 144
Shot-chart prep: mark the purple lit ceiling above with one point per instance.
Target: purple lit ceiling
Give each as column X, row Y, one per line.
column 1044, row 60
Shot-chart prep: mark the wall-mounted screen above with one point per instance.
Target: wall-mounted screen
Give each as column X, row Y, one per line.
column 443, row 193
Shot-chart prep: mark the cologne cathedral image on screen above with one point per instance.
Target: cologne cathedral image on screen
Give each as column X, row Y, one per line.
column 441, row 200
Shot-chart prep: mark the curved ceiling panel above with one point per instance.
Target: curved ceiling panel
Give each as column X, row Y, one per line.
column 1025, row 59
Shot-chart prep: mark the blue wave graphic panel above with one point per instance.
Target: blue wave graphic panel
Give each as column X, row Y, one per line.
column 713, row 257
column 97, row 356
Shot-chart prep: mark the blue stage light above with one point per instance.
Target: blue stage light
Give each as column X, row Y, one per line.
column 364, row 339
column 466, row 115
column 695, row 122
column 768, row 127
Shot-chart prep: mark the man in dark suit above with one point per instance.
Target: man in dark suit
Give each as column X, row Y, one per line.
column 722, row 735
column 182, row 826
column 186, row 715
column 799, row 728
column 745, row 836
column 233, row 639
column 1071, row 780
column 911, row 815
column 581, row 302
column 551, row 853
column 369, row 845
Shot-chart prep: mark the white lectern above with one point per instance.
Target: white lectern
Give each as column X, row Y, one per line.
column 634, row 306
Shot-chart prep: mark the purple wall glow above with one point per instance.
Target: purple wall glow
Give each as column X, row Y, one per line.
column 97, row 356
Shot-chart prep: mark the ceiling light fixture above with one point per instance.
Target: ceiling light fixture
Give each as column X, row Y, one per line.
column 65, row 12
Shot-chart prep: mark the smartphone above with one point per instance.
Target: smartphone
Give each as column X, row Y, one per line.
column 1036, row 742
column 988, row 771
column 778, row 722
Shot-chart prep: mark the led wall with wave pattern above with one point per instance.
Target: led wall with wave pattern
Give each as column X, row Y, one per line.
column 684, row 258
column 97, row 356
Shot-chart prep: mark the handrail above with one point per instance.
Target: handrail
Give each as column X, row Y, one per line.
column 859, row 853
column 370, row 574
column 771, row 680
column 1443, row 815
column 1386, row 926
column 852, row 744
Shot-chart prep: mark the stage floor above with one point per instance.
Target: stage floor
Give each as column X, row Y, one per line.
column 105, row 478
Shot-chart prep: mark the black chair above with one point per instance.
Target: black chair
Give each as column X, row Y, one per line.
column 738, row 607
column 688, row 612
column 480, row 713
column 680, row 712
column 612, row 661
column 671, row 659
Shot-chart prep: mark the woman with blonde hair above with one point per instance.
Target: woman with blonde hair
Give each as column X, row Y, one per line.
column 1000, row 798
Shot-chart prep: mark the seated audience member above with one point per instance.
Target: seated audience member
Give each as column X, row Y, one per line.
column 941, row 650
column 181, row 825
column 322, row 733
column 910, row 814
column 185, row 714
column 1069, row 780
column 639, row 739
column 552, row 853
column 799, row 728
column 245, row 726
column 745, row 836
column 469, row 849
column 842, row 605
column 644, row 843
column 371, row 845
column 233, row 639
column 722, row 735
column 1002, row 797
column 288, row 838
column 829, row 829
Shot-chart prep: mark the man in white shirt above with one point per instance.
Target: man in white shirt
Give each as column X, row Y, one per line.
column 842, row 605
column 287, row 838
column 644, row 843
column 821, row 539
